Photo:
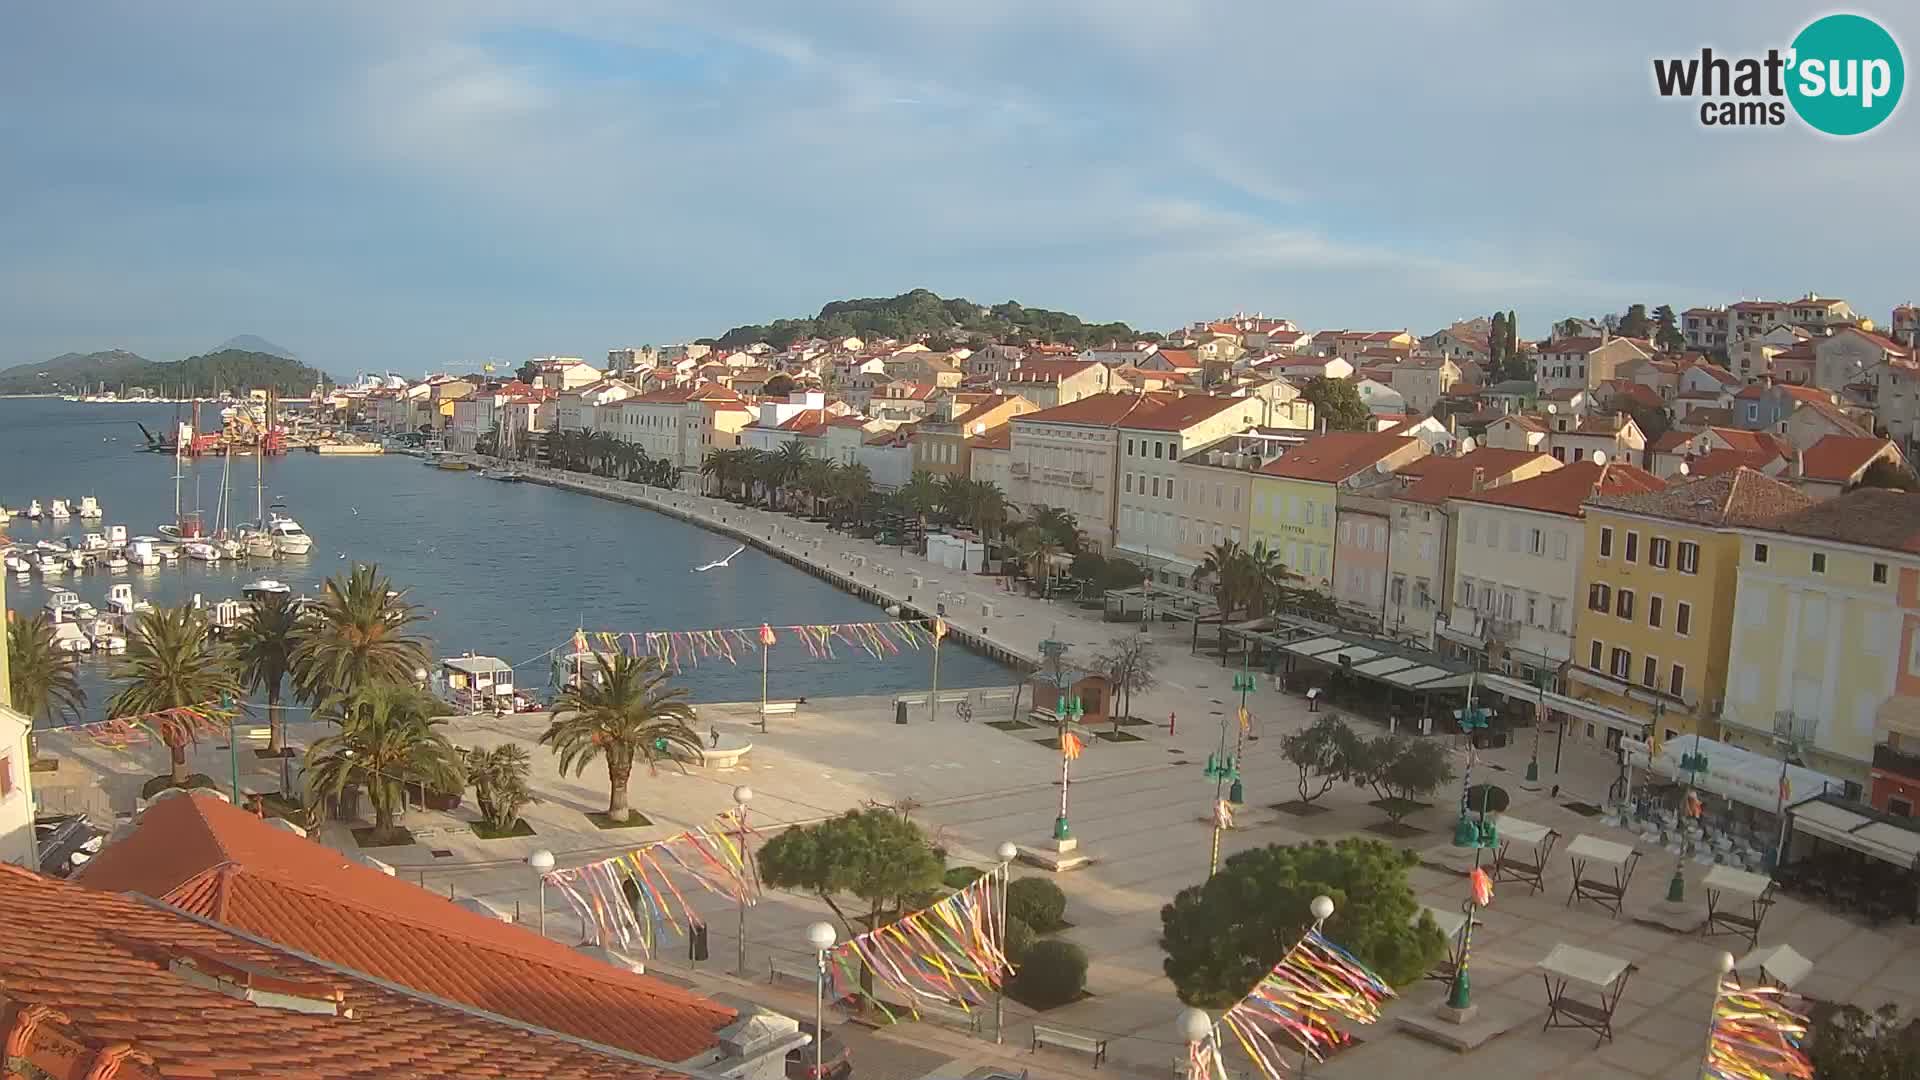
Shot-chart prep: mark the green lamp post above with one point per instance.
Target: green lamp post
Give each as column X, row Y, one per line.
column 1694, row 764
column 1245, row 683
column 1467, row 832
column 1539, row 719
column 1070, row 711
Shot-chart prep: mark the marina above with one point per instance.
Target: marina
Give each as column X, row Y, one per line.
column 502, row 569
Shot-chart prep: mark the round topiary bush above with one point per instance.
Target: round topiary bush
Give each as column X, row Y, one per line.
column 1037, row 902
column 1053, row 973
column 1020, row 939
column 1495, row 797
column 959, row 877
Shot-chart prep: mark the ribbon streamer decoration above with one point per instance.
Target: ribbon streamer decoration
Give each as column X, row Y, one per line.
column 626, row 899
column 1755, row 1035
column 951, row 954
column 1299, row 1000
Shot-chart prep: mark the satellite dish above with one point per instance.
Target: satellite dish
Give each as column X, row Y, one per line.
column 1685, row 468
column 1552, row 408
column 1599, row 457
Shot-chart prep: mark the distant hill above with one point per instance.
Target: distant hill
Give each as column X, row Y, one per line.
column 254, row 343
column 196, row 376
column 921, row 313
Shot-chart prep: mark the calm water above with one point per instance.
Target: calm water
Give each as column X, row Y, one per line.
column 507, row 570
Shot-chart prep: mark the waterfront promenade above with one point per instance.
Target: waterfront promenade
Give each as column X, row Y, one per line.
column 1139, row 811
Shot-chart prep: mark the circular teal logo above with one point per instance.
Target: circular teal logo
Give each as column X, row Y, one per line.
column 1847, row 75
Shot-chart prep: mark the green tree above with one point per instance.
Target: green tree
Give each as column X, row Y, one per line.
column 1053, row 973
column 873, row 855
column 171, row 662
column 1129, row 663
column 1666, row 330
column 1337, row 402
column 1037, row 902
column 1850, row 1043
column 261, row 648
column 528, row 372
column 388, row 739
column 623, row 712
column 779, row 386
column 1059, row 526
column 43, row 680
column 1497, row 343
column 1225, row 569
column 1402, row 770
column 357, row 635
column 1324, row 754
column 1635, row 322
column 1222, row 935
column 922, row 492
column 499, row 778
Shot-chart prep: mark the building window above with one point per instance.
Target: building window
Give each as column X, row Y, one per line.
column 1633, row 547
column 1683, row 618
column 1126, row 483
column 1536, row 541
column 1659, row 551
column 1399, row 594
column 1599, row 597
column 1879, row 573
column 1606, row 543
column 1649, row 672
column 1623, row 604
column 1466, row 596
column 1759, row 553
column 1621, row 662
column 1689, row 557
column 1678, row 683
column 1553, row 616
column 1653, row 611
column 1156, row 451
column 1819, row 562
column 1156, row 486
column 1593, row 655
column 1129, row 447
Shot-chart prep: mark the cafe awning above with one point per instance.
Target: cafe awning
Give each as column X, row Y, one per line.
column 1379, row 661
column 1733, row 772
column 1858, row 827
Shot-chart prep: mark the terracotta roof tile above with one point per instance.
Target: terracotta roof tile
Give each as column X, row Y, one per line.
column 1335, row 456
column 218, row 861
column 1097, row 410
column 107, row 966
column 1840, row 458
column 1739, row 497
column 1181, row 413
column 1871, row 517
column 1442, row 478
column 1565, row 490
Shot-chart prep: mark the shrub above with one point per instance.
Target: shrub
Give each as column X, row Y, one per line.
column 1037, row 902
column 1020, row 940
column 1054, row 973
column 959, row 877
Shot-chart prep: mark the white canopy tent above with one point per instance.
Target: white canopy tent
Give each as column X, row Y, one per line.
column 1732, row 772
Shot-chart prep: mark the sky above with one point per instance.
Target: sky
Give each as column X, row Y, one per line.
column 413, row 185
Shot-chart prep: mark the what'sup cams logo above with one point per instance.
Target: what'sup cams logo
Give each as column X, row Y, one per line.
column 1842, row 76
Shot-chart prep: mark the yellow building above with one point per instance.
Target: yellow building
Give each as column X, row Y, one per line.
column 1658, row 582
column 1294, row 496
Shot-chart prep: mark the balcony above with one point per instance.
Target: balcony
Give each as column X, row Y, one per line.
column 1902, row 762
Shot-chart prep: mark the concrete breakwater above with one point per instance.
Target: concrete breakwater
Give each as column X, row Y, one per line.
column 970, row 621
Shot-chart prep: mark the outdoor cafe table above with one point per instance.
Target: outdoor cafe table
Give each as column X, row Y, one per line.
column 1777, row 964
column 1602, row 977
column 1733, row 888
column 1618, row 859
column 1537, row 840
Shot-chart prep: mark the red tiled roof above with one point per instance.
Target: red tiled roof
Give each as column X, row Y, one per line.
column 104, row 965
column 1804, row 394
column 1737, row 497
column 1180, row 358
column 680, row 395
column 1045, row 371
column 1564, row 490
column 1671, row 442
column 1881, row 340
column 1572, row 345
column 1181, row 413
column 1098, row 410
column 1442, row 478
column 1840, row 458
column 996, row 438
column 220, row 862
column 1522, row 420
column 1335, row 456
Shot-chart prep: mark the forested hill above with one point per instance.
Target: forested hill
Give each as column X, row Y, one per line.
column 921, row 313
column 196, row 376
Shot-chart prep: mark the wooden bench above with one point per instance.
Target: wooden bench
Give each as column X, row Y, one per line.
column 779, row 708
column 805, row 970
column 1069, row 1040
column 1043, row 714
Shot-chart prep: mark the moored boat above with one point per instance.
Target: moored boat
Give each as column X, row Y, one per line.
column 288, row 537
column 33, row 510
column 200, row 551
column 58, row 510
column 90, row 508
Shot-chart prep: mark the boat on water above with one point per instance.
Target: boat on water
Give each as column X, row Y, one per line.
column 288, row 537
column 69, row 638
column 78, row 559
column 60, row 605
column 116, row 562
column 90, row 509
column 200, row 551
column 120, row 602
column 49, row 564
column 58, row 510
column 33, row 510
column 93, row 541
column 17, row 563
column 453, row 465
column 265, row 587
column 254, row 535
column 505, row 476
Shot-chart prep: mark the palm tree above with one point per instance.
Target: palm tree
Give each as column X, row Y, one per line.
column 261, row 648
column 387, row 741
column 955, row 497
column 171, row 662
column 1037, row 549
column 1225, row 564
column 1267, row 576
column 853, row 485
column 358, row 636
column 42, row 679
column 628, row 711
column 602, row 448
column 922, row 492
column 1060, row 525
column 789, row 462
column 816, row 479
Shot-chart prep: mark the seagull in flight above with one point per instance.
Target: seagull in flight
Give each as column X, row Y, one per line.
column 719, row 563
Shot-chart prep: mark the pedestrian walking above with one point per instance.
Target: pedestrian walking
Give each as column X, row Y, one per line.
column 1170, row 720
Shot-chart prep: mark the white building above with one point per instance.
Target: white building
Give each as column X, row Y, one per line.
column 16, row 778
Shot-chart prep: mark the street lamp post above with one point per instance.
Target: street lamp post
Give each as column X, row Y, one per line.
column 1245, row 683
column 766, row 646
column 933, row 695
column 1069, row 711
column 542, row 861
column 743, row 795
column 1791, row 742
column 1539, row 720
column 820, row 935
column 233, row 743
column 1007, row 853
column 1468, row 833
column 1196, row 1028
column 1322, row 910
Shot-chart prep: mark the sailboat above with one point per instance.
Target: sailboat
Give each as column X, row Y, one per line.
column 223, row 538
column 184, row 526
column 259, row 543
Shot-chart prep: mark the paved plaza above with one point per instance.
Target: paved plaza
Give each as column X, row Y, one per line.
column 1139, row 809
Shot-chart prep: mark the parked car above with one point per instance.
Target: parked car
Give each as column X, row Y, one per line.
column 836, row 1060
column 66, row 841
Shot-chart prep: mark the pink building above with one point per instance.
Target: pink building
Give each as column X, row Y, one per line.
column 1363, row 534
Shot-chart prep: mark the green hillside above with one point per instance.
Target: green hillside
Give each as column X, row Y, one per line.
column 196, row 376
column 921, row 313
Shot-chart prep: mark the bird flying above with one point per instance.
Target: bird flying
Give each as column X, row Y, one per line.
column 719, row 563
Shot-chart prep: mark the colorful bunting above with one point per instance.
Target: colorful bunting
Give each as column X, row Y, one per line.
column 182, row 725
column 1755, row 1035
column 1300, row 998
column 679, row 649
column 624, row 898
column 953, row 953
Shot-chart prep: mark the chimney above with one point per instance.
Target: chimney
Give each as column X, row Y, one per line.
column 1799, row 464
column 1479, row 479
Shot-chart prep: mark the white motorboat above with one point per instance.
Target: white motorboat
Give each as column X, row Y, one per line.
column 93, row 541
column 113, row 643
column 58, row 510
column 120, row 602
column 288, row 537
column 117, row 562
column 258, row 542
column 90, row 509
column 230, row 548
column 116, row 536
column 169, row 552
column 50, row 547
column 78, row 559
column 61, row 605
column 143, row 551
column 200, row 551
column 69, row 638
column 85, row 612
column 264, row 588
column 49, row 564
column 18, row 564
column 33, row 510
